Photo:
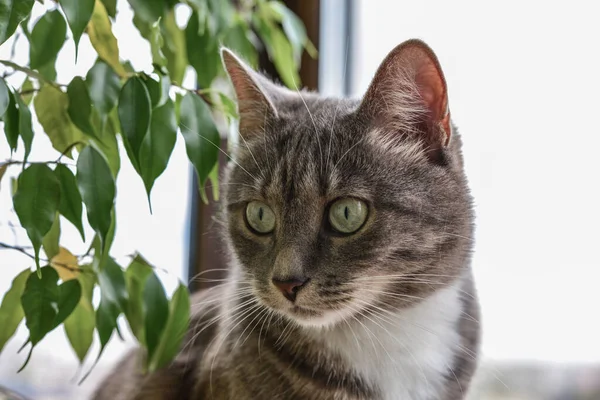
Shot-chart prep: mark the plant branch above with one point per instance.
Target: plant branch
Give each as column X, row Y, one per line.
column 28, row 71
column 18, row 162
column 29, row 91
column 23, row 250
column 20, row 249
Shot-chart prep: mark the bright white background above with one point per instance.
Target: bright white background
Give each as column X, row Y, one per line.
column 524, row 81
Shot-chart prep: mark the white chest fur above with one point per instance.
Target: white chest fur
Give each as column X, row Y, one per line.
column 406, row 355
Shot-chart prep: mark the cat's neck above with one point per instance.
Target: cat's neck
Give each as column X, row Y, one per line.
column 405, row 353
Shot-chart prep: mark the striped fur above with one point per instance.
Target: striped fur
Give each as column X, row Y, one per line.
column 390, row 312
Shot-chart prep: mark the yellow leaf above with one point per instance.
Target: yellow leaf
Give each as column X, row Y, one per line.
column 100, row 33
column 65, row 263
column 51, row 106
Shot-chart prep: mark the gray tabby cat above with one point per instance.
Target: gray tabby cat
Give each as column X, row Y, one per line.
column 349, row 226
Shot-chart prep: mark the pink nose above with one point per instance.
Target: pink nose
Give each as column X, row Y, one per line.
column 290, row 287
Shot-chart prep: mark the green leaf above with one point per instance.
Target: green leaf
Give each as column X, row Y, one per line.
column 47, row 305
column 280, row 51
column 134, row 114
column 87, row 279
column 113, row 300
column 158, row 145
column 135, row 278
column 174, row 331
column 228, row 106
column 104, row 87
column 111, row 7
column 200, row 8
column 40, row 303
column 78, row 13
column 12, row 12
column 25, row 127
column 11, row 123
column 80, row 106
column 97, row 187
column 158, row 90
column 47, row 38
column 203, row 53
column 27, row 87
column 156, row 45
column 70, row 199
column 50, row 242
column 106, row 321
column 79, row 327
column 112, row 283
column 200, row 134
column 221, row 13
column 48, row 71
column 36, row 203
column 100, row 32
column 69, row 296
column 237, row 40
column 51, row 106
column 11, row 312
column 4, row 97
column 3, row 168
column 156, row 312
column 174, row 48
column 294, row 29
column 214, row 183
column 14, row 185
column 107, row 142
column 148, row 10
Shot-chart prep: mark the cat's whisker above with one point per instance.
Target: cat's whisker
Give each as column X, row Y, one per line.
column 412, row 281
column 349, row 327
column 268, row 316
column 396, row 295
column 313, row 122
column 217, row 318
column 252, row 154
column 348, row 151
column 245, row 314
column 397, row 340
column 258, row 316
column 209, row 270
column 221, row 299
column 416, row 274
column 363, row 314
column 282, row 333
column 264, row 135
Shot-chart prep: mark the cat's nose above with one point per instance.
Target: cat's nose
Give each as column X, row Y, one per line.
column 290, row 287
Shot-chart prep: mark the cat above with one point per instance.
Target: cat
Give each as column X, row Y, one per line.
column 349, row 225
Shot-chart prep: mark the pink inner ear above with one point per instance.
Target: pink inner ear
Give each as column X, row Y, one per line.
column 432, row 89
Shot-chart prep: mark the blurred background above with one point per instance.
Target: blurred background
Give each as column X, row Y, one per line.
column 523, row 82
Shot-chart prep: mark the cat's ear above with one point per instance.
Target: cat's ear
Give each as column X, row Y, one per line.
column 408, row 95
column 255, row 105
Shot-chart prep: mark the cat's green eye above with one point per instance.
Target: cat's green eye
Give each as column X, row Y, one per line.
column 260, row 217
column 347, row 215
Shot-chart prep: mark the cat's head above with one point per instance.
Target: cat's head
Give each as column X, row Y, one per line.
column 336, row 206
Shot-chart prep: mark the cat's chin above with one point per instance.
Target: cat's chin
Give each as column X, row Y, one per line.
column 316, row 319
